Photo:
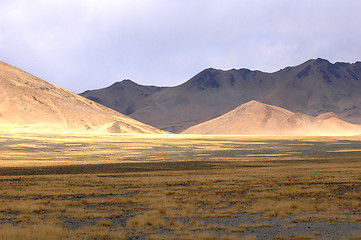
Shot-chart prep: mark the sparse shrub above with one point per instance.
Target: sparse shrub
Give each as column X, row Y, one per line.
column 29, row 232
column 148, row 219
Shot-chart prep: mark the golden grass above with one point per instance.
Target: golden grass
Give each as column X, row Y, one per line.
column 41, row 231
column 177, row 194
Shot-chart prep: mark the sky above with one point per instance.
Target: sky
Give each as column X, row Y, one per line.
column 90, row 44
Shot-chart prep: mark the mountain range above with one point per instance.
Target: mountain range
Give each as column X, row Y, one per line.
column 314, row 87
column 314, row 98
column 28, row 102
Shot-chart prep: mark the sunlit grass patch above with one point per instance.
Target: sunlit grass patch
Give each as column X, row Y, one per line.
column 29, row 232
column 168, row 188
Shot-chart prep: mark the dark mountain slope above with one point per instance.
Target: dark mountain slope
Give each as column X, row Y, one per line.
column 316, row 87
column 121, row 96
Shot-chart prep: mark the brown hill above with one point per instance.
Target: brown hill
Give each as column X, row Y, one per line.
column 29, row 102
column 314, row 87
column 121, row 96
column 255, row 118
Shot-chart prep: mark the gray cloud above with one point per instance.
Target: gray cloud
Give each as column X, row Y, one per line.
column 91, row 44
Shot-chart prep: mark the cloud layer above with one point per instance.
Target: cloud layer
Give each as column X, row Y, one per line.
column 87, row 44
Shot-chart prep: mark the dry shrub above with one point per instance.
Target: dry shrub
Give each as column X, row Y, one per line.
column 295, row 236
column 105, row 223
column 282, row 238
column 232, row 229
column 117, row 213
column 174, row 225
column 289, row 226
column 163, row 204
column 283, row 208
column 148, row 219
column 230, row 237
column 25, row 206
column 216, row 226
column 355, row 219
column 98, row 232
column 305, row 218
column 41, row 231
column 77, row 213
column 356, row 236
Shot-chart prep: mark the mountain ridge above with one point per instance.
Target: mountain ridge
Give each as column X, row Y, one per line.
column 313, row 87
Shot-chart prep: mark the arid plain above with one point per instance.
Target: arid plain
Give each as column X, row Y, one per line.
column 108, row 186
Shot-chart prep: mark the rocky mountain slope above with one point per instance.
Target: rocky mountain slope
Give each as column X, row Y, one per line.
column 255, row 118
column 314, row 87
column 28, row 102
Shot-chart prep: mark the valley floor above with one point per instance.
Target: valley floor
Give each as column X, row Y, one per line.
column 60, row 186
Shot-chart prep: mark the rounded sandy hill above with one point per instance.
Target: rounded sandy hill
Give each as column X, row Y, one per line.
column 27, row 102
column 256, row 118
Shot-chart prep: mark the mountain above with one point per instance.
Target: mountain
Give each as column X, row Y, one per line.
column 255, row 118
column 29, row 102
column 314, row 87
column 121, row 96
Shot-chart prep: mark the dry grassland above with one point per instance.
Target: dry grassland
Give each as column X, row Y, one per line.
column 179, row 187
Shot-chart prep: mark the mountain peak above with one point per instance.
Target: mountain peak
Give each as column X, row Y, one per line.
column 128, row 81
column 320, row 61
column 123, row 82
column 253, row 103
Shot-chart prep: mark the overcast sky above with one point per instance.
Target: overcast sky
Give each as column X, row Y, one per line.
column 89, row 44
